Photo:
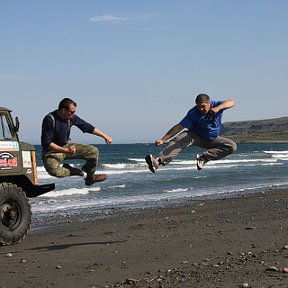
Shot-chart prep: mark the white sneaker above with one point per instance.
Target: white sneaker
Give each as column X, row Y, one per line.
column 152, row 163
column 200, row 161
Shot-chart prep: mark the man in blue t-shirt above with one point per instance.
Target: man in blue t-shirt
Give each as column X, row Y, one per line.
column 57, row 146
column 203, row 125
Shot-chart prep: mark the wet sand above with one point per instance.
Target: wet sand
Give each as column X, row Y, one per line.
column 239, row 242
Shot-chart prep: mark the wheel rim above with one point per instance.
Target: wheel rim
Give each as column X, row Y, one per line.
column 10, row 214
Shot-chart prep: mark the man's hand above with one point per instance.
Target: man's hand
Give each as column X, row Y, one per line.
column 72, row 149
column 159, row 142
column 214, row 110
column 108, row 139
column 171, row 133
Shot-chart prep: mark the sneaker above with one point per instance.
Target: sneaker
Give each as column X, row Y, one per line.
column 73, row 171
column 95, row 178
column 152, row 163
column 201, row 161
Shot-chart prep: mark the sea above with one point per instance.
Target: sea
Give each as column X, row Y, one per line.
column 252, row 168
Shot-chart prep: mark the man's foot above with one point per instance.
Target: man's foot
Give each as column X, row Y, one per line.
column 152, row 163
column 73, row 171
column 95, row 178
column 201, row 161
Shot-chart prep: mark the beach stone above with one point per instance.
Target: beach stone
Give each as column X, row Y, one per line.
column 9, row 255
column 272, row 268
column 244, row 285
column 285, row 269
column 250, row 228
column 131, row 281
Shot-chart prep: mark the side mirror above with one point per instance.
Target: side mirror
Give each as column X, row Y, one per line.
column 17, row 124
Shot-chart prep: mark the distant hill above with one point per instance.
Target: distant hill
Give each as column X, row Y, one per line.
column 267, row 130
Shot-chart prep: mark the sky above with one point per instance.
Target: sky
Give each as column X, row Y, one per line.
column 135, row 67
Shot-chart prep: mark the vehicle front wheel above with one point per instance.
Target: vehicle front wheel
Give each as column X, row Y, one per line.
column 15, row 214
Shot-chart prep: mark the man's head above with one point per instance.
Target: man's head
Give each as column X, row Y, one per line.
column 67, row 108
column 203, row 103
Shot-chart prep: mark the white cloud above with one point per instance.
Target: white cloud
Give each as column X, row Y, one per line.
column 11, row 77
column 109, row 18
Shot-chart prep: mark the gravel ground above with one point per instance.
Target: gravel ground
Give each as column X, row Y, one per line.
column 238, row 242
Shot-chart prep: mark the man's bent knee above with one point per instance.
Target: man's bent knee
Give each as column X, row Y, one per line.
column 57, row 172
column 90, row 152
column 53, row 168
column 95, row 151
column 232, row 147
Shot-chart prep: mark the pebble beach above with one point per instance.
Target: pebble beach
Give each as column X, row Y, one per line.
column 234, row 242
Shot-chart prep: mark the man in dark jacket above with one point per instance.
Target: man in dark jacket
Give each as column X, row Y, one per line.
column 57, row 147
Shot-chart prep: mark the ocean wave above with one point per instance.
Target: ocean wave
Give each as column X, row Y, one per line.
column 69, row 192
column 177, row 165
column 137, row 160
column 100, row 203
column 281, row 155
column 140, row 200
column 275, row 152
column 120, row 166
column 241, row 161
column 178, row 190
column 131, row 184
column 121, row 186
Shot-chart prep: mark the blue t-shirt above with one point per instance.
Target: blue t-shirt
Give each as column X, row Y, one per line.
column 206, row 126
column 58, row 130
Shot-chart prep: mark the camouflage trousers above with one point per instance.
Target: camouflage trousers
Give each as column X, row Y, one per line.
column 52, row 160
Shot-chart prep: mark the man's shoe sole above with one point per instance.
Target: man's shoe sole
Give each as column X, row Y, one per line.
column 197, row 165
column 97, row 178
column 148, row 159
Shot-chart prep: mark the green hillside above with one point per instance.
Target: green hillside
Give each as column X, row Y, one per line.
column 268, row 130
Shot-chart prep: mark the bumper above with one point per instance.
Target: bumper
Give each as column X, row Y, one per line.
column 37, row 190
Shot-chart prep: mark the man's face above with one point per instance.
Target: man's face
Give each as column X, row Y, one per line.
column 69, row 113
column 204, row 107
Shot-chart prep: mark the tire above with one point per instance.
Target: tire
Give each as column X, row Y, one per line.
column 15, row 214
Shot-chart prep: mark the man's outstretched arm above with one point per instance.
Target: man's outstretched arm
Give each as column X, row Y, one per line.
column 171, row 133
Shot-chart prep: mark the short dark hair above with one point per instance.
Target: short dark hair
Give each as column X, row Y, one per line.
column 201, row 98
column 64, row 103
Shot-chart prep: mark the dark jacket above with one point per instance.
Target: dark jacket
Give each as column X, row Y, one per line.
column 57, row 130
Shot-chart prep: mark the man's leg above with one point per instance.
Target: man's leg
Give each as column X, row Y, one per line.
column 218, row 148
column 174, row 147
column 52, row 162
column 88, row 153
column 91, row 155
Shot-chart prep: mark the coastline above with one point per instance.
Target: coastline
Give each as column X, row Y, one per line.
column 225, row 242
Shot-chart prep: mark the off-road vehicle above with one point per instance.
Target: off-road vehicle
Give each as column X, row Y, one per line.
column 18, row 180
